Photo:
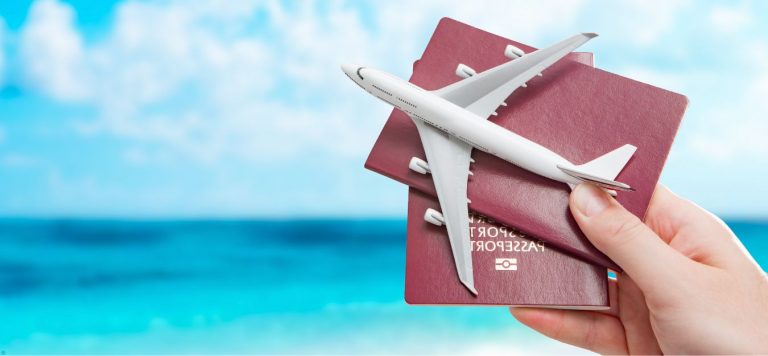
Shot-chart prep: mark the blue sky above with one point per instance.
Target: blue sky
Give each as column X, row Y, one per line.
column 235, row 109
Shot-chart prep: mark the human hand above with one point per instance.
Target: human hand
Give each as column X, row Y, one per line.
column 688, row 285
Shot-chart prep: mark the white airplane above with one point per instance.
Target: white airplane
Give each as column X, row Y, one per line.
column 452, row 120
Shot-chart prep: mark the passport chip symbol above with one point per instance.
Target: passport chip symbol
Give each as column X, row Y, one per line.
column 506, row 264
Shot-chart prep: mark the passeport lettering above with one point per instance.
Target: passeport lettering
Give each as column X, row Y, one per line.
column 491, row 238
column 507, row 246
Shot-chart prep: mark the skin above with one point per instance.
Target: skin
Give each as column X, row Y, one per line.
column 688, row 286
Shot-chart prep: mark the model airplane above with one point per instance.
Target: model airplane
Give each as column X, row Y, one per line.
column 452, row 120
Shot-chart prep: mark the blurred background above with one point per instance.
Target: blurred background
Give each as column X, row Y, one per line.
column 187, row 176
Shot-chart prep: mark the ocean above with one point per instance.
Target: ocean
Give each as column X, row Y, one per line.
column 227, row 286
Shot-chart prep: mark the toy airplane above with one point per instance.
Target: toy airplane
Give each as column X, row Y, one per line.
column 452, row 120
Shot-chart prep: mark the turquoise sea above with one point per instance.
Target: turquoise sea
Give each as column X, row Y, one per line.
column 308, row 286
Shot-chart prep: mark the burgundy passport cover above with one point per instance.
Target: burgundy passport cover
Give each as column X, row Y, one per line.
column 575, row 110
column 533, row 274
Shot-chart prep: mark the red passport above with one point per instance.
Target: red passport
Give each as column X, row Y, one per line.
column 575, row 110
column 509, row 268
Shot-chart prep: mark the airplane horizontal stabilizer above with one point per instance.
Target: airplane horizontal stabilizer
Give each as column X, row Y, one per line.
column 601, row 182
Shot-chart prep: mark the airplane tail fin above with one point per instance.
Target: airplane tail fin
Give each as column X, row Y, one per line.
column 609, row 165
column 603, row 170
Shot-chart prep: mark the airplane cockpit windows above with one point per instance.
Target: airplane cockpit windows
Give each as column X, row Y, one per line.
column 358, row 73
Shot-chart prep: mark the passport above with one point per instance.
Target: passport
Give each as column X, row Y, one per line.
column 575, row 110
column 509, row 267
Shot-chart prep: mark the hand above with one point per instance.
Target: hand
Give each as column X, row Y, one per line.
column 688, row 285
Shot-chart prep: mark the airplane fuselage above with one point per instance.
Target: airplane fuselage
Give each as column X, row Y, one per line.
column 478, row 132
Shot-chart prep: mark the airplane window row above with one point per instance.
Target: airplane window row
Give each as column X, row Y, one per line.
column 381, row 90
column 406, row 102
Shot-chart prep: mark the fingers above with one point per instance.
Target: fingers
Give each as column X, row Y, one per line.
column 624, row 238
column 693, row 231
column 668, row 214
column 586, row 329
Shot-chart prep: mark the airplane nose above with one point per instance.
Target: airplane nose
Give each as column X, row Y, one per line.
column 348, row 68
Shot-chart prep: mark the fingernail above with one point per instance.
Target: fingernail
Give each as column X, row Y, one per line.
column 590, row 200
column 523, row 313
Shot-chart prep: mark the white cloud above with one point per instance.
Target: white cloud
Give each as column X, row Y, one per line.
column 730, row 19
column 736, row 130
column 744, row 142
column 53, row 51
column 643, row 22
column 523, row 20
column 193, row 77
column 17, row 160
column 731, row 124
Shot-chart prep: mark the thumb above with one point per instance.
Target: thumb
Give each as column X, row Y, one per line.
column 623, row 237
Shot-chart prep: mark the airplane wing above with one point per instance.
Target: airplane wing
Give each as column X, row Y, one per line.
column 448, row 160
column 484, row 92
